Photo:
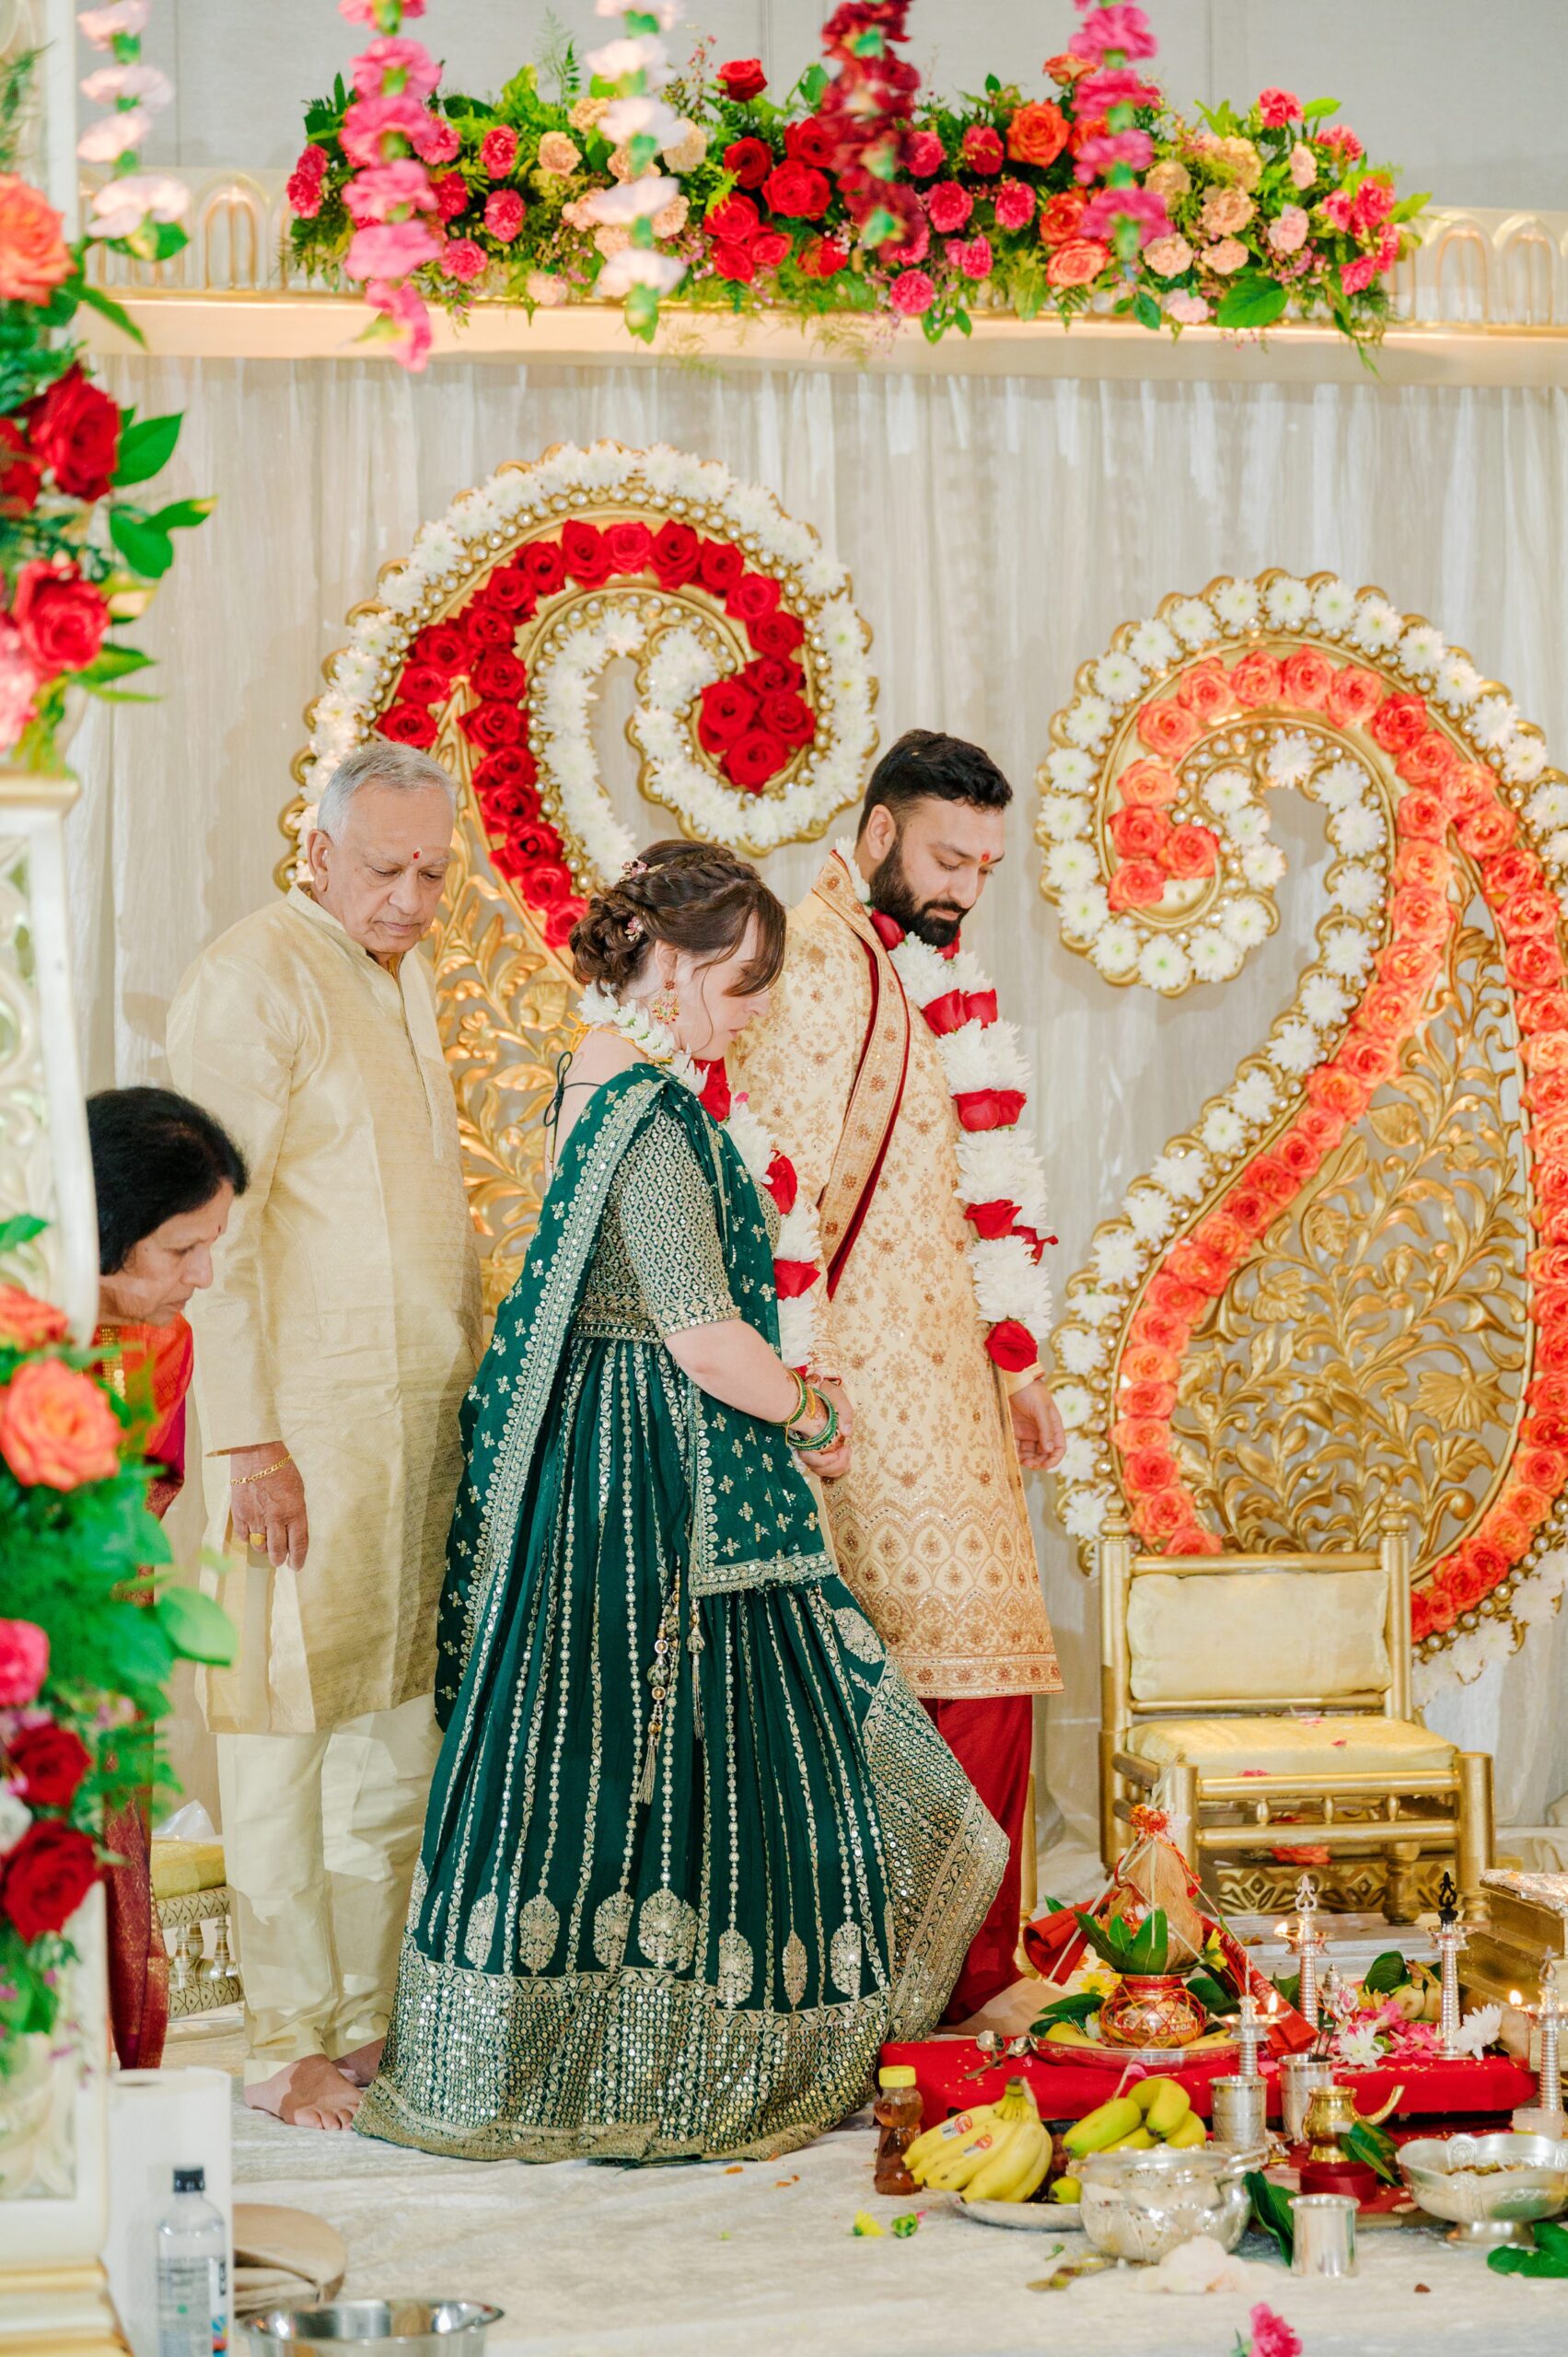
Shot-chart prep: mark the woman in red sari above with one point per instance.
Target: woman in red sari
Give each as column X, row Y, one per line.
column 164, row 1175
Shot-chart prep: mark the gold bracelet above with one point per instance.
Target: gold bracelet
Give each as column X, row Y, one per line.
column 245, row 1479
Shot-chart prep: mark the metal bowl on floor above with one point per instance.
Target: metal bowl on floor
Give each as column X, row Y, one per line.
column 1138, row 2205
column 410, row 2327
column 1491, row 2188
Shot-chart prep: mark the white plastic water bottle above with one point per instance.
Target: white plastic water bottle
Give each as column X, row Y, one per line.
column 192, row 2272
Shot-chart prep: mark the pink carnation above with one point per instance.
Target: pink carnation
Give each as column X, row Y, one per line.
column 363, row 12
column 370, row 121
column 372, row 196
column 1278, row 108
column 1187, row 309
column 923, row 153
column 1288, row 234
column 911, row 293
column 389, row 250
column 463, row 260
column 949, row 206
column 504, row 213
column 1373, row 202
column 1388, row 250
column 304, row 191
column 1140, row 204
column 914, row 248
column 972, row 259
column 1343, row 141
column 409, row 58
column 1111, row 85
column 1338, row 210
column 982, row 149
column 451, row 195
column 1270, row 2336
column 498, row 151
column 438, row 140
column 24, row 1653
column 1121, row 26
column 1014, row 205
column 404, row 308
column 1097, row 154
column 1358, row 275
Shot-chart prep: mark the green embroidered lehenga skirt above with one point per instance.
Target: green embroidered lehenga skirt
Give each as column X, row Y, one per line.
column 693, row 1850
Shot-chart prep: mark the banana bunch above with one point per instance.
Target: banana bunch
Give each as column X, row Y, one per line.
column 1155, row 2111
column 996, row 2152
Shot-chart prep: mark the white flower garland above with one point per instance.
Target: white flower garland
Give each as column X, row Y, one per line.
column 520, row 501
column 994, row 1165
column 799, row 1236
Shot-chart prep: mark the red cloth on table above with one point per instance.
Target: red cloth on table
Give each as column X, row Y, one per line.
column 152, row 1365
column 992, row 1741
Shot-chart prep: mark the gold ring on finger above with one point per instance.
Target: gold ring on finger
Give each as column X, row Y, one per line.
column 256, row 1538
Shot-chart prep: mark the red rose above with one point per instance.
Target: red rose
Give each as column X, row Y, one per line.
column 1060, row 216
column 754, row 757
column 751, row 160
column 560, row 922
column 983, row 149
column 48, row 1875
column 538, row 846
column 630, row 546
column 544, row 884
column 776, row 633
column 451, row 197
column 61, row 618
column 510, row 591
column 1256, row 678
column 542, row 565
column 823, row 257
column 1353, row 696
column 769, row 674
column 422, row 683
column 812, row 141
column 1011, row 1346
column 49, row 1763
column 491, row 725
column 719, row 568
column 676, row 550
column 488, row 626
column 498, row 151
column 1139, row 834
column 443, row 647
column 797, row 192
column 76, row 431
column 781, row 1181
column 587, row 559
column 733, row 263
column 768, row 248
column 734, row 221
column 726, row 711
column 1077, row 263
column 499, row 674
column 1036, row 134
column 21, row 471
column 754, row 595
column 408, row 723
column 1309, row 675
column 1398, row 722
column 789, row 717
column 742, row 78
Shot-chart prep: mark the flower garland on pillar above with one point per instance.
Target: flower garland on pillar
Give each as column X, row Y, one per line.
column 1001, row 1182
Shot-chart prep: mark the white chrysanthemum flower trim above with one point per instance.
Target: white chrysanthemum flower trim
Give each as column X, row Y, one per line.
column 1333, row 608
column 1287, row 603
column 1228, row 792
column 1215, row 959
column 1064, row 816
column 1236, row 603
column 1181, row 1176
column 1117, row 678
column 1289, row 760
column 1193, row 621
column 1154, row 646
column 1084, row 912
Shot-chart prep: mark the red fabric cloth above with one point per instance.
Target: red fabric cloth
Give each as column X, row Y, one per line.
column 992, row 1741
column 156, row 1364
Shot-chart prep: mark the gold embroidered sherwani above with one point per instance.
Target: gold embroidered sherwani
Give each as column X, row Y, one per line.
column 930, row 1524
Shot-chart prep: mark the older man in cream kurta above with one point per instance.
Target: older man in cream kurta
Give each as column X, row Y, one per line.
column 333, row 1354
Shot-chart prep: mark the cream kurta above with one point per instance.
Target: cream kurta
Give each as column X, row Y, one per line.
column 930, row 1525
column 346, row 1316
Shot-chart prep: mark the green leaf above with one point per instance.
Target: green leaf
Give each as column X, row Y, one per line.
column 107, row 307
column 1510, row 2260
column 1252, row 301
column 642, row 312
column 1151, row 1942
column 1147, row 311
column 1551, row 2236
column 1289, row 1986
column 812, row 83
column 1076, row 2008
column 1316, row 108
column 1386, row 1973
column 198, row 1629
column 119, row 695
column 1271, row 2211
column 20, row 1229
column 1375, row 2146
column 1216, row 1999
column 145, row 546
column 1408, row 206
column 113, row 663
column 146, row 446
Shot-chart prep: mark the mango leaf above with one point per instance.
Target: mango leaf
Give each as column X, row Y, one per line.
column 1151, row 1943
column 1376, row 2147
column 1385, row 1973
column 1271, row 2211
column 198, row 1629
column 1216, row 1999
column 145, row 548
column 1252, row 301
column 1076, row 2008
column 146, row 446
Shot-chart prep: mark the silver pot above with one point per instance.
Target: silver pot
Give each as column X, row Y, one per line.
column 409, row 2328
column 1139, row 2205
column 1491, row 2188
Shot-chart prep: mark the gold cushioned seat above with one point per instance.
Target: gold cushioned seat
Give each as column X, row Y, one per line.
column 1290, row 1746
column 181, row 1868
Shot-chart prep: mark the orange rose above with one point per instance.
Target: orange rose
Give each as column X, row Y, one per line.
column 1161, row 1331
column 1189, row 1540
column 1222, row 1231
column 1324, row 1129
column 1256, row 678
column 1428, row 760
column 1250, row 1208
column 1309, row 675
column 1371, row 1061
column 1298, row 1154
column 26, row 1323
column 1339, row 1091
column 1036, row 134
column 1064, row 67
column 1206, row 690
column 1544, row 1011
column 1165, row 726
column 1422, row 816
column 1422, row 862
column 1137, row 883
column 1521, row 1501
column 1506, row 1532
column 1552, row 1351
column 1467, row 788
column 1530, row 912
column 1488, row 829
column 56, row 1428
column 1190, row 851
column 1129, row 1432
column 1515, row 871
column 1149, row 785
column 1060, row 216
column 1269, row 1175
column 1548, row 1266
column 1550, row 1138
column 1389, row 1009
column 1543, row 1469
column 1168, row 1292
column 1138, row 833
column 1547, row 1053
column 1142, row 1401
column 1164, row 1510
column 1353, row 696
column 1532, row 963
column 1077, row 263
column 1413, row 963
column 1419, row 916
column 1549, row 1094
column 1144, row 1364
column 34, row 257
column 1198, row 1265
column 1151, row 1469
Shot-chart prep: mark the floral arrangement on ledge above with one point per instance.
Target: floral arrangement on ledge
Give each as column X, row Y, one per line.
column 85, row 1647
column 845, row 197
column 77, row 557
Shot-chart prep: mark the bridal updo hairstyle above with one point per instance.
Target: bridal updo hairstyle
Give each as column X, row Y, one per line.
column 697, row 897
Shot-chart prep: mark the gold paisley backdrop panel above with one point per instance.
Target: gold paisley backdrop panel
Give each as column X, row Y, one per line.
column 998, row 532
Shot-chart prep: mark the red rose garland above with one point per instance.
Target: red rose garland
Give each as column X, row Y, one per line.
column 1443, row 792
column 751, row 723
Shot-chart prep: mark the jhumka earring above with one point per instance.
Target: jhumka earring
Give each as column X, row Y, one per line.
column 665, row 1006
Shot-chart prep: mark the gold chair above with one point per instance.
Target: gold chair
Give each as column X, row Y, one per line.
column 1268, row 1699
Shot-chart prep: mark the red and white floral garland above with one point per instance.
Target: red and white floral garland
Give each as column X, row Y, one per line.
column 1001, row 1182
column 797, row 1253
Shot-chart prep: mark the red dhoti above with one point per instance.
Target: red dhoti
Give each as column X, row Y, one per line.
column 992, row 1741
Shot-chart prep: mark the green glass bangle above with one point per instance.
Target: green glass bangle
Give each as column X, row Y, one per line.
column 825, row 1438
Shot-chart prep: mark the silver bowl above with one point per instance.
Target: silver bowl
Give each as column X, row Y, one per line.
column 410, row 2327
column 1139, row 2205
column 1491, row 2188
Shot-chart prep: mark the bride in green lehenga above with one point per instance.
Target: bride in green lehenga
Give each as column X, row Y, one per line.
column 693, row 1850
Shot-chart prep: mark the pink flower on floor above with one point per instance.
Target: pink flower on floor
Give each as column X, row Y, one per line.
column 18, row 682
column 1278, row 108
column 410, row 59
column 1271, row 2337
column 1015, row 205
column 504, row 213
column 972, row 259
column 911, row 293
column 463, row 260
column 405, row 308
column 389, row 250
column 374, row 196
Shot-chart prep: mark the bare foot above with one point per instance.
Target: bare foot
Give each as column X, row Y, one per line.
column 312, row 2093
column 360, row 2066
column 1010, row 2011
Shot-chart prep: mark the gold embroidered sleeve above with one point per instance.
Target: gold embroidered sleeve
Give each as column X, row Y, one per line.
column 799, row 1065
column 661, row 1209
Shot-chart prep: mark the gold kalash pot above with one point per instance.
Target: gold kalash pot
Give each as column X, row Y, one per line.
column 1330, row 2113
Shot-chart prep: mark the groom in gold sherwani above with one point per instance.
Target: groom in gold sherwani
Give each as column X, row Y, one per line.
column 930, row 1524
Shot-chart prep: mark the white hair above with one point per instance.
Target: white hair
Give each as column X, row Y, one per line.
column 379, row 763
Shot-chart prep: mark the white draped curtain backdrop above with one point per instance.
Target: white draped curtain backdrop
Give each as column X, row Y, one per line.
column 997, row 530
